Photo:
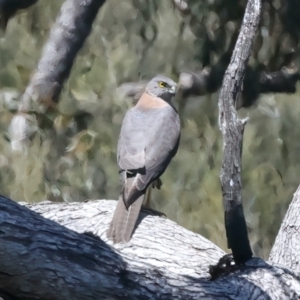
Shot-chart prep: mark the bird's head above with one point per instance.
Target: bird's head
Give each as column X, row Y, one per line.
column 162, row 87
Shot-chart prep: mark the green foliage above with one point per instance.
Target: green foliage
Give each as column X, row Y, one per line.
column 73, row 157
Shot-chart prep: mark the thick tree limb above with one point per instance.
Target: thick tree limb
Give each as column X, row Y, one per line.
column 41, row 259
column 286, row 248
column 72, row 27
column 232, row 130
column 278, row 82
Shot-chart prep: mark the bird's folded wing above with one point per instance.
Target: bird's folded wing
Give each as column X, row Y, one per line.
column 162, row 144
column 131, row 144
column 148, row 139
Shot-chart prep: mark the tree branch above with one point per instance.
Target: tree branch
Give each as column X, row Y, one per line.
column 41, row 259
column 72, row 27
column 207, row 81
column 232, row 130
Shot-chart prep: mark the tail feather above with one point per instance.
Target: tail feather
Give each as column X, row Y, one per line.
column 124, row 219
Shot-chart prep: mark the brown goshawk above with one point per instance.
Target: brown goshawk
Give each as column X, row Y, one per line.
column 148, row 141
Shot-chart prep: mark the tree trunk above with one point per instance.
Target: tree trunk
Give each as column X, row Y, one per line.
column 286, row 249
column 232, row 130
column 41, row 259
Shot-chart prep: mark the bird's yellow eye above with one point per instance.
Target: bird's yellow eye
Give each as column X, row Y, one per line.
column 162, row 84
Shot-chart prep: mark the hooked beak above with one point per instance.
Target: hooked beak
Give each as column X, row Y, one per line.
column 172, row 90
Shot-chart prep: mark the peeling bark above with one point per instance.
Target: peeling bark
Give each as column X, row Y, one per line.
column 42, row 259
column 286, row 249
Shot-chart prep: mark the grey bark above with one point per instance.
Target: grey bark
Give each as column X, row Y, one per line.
column 42, row 259
column 72, row 27
column 286, row 248
column 232, row 129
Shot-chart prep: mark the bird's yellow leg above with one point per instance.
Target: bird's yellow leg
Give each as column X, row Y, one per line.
column 146, row 207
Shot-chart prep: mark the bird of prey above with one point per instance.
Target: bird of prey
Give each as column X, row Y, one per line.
column 148, row 141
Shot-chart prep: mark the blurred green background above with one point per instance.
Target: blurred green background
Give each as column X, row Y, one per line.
column 73, row 157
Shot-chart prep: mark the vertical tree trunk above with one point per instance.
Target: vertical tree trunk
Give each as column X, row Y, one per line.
column 232, row 130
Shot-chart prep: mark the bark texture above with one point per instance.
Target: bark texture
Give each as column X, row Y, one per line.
column 232, row 130
column 286, row 249
column 42, row 259
column 72, row 27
